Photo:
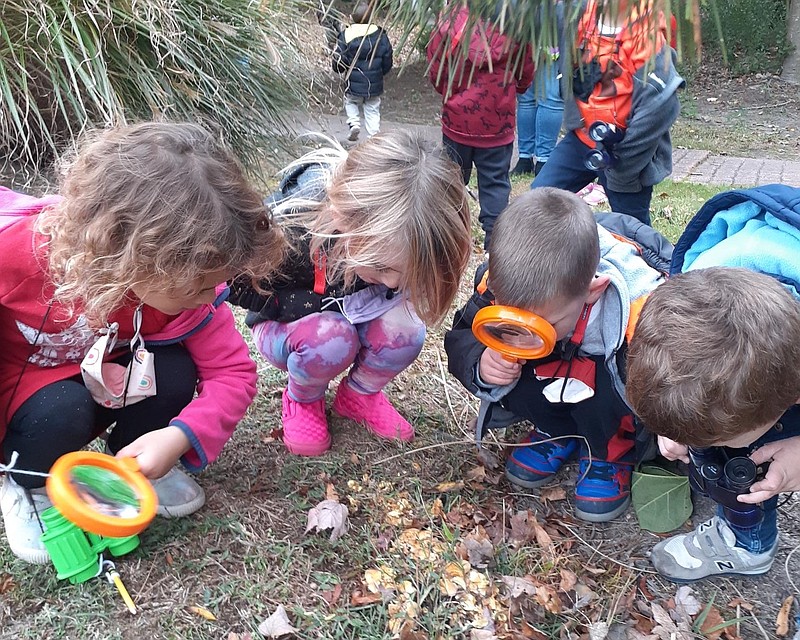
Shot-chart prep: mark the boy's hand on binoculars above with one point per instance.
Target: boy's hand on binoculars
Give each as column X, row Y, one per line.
column 157, row 451
column 495, row 369
column 672, row 450
column 783, row 473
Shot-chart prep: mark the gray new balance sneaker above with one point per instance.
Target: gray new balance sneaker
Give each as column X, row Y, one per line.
column 178, row 494
column 21, row 510
column 708, row 551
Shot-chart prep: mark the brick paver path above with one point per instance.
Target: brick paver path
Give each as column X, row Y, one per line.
column 689, row 165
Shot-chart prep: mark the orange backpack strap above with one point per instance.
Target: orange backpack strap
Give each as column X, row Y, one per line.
column 483, row 285
column 633, row 318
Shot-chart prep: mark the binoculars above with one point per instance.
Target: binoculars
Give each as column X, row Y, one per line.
column 605, row 136
column 75, row 552
column 722, row 479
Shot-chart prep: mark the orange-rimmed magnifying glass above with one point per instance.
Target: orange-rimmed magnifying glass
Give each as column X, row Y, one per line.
column 102, row 494
column 515, row 333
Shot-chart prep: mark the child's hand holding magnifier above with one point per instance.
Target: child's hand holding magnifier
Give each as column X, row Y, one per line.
column 496, row 369
column 513, row 337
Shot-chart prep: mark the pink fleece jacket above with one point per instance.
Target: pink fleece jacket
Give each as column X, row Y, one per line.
column 42, row 344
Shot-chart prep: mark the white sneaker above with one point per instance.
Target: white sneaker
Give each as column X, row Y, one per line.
column 355, row 131
column 178, row 494
column 709, row 550
column 21, row 510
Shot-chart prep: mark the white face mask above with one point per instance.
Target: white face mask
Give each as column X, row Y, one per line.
column 113, row 385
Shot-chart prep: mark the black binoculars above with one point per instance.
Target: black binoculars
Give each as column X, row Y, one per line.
column 605, row 136
column 723, row 479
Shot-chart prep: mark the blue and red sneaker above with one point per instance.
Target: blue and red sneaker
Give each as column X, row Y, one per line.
column 535, row 465
column 604, row 491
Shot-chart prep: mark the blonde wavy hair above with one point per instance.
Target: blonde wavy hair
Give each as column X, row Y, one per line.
column 396, row 194
column 152, row 203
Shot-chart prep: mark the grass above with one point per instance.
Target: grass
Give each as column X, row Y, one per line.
column 245, row 553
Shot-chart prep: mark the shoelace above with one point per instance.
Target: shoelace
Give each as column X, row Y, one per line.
column 551, row 447
column 600, row 470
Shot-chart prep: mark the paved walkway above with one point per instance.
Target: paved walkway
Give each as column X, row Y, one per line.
column 689, row 165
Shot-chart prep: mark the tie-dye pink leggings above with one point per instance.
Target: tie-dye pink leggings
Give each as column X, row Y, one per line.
column 317, row 348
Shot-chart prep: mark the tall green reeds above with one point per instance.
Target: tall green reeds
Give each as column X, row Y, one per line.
column 70, row 64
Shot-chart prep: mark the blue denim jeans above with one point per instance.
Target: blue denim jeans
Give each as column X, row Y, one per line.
column 566, row 170
column 762, row 537
column 540, row 111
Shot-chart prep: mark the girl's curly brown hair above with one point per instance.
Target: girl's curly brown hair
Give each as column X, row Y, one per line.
column 159, row 203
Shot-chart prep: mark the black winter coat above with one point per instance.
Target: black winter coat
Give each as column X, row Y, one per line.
column 364, row 54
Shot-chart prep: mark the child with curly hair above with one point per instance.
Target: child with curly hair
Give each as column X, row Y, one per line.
column 151, row 221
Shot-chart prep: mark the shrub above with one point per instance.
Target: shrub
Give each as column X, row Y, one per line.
column 755, row 34
column 66, row 65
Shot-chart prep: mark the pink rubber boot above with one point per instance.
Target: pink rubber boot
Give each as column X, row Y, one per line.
column 305, row 429
column 373, row 411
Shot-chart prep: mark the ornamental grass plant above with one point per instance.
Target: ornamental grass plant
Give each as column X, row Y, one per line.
column 68, row 65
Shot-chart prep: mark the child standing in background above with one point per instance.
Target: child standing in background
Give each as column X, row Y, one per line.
column 479, row 72
column 382, row 253
column 151, row 222
column 624, row 101
column 364, row 54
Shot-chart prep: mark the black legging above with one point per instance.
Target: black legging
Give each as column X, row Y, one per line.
column 63, row 417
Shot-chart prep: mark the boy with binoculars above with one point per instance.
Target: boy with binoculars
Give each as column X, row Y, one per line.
column 713, row 371
column 622, row 106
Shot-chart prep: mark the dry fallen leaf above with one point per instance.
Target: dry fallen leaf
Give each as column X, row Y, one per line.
column 714, row 620
column 276, row 625
column 328, row 514
column 445, row 487
column 202, row 612
column 686, row 605
column 568, row 580
column 6, row 583
column 330, row 492
column 409, row 632
column 362, row 597
column 552, row 493
column 782, row 621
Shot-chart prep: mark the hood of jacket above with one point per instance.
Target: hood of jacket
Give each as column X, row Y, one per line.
column 758, row 229
column 189, row 322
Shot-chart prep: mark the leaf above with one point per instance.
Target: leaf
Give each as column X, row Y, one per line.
column 714, row 624
column 552, row 493
column 446, row 487
column 479, row 547
column 6, row 583
column 686, row 605
column 276, row 625
column 782, row 621
column 328, row 514
column 568, row 580
column 661, row 499
column 362, row 597
column 202, row 612
column 409, row 632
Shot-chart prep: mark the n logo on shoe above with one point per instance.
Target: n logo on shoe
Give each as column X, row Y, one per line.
column 724, row 565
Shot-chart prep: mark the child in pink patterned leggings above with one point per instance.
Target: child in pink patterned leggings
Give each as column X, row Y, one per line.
column 380, row 239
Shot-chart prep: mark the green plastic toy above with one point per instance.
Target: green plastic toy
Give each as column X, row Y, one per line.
column 75, row 552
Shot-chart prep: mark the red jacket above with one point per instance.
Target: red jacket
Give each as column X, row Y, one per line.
column 478, row 81
column 226, row 374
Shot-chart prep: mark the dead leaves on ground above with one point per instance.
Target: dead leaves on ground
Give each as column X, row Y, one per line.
column 451, row 564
